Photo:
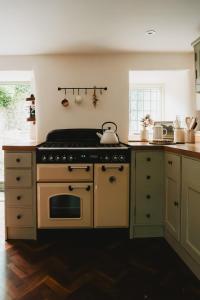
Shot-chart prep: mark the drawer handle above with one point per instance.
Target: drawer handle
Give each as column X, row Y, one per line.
column 18, row 160
column 148, row 216
column 18, row 178
column 19, row 197
column 71, row 188
column 19, row 217
column 169, row 162
column 175, row 203
column 104, row 168
column 148, row 177
column 148, row 158
column 148, row 196
column 87, row 168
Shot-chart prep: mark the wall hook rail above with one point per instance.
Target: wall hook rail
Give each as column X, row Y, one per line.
column 82, row 88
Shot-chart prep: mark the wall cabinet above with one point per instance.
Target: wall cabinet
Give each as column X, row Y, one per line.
column 111, row 195
column 172, row 194
column 196, row 45
column 20, row 199
column 190, row 213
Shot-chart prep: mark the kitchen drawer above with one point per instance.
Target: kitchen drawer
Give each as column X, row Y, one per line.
column 149, row 161
column 18, row 160
column 19, row 197
column 64, row 172
column 19, row 217
column 22, row 233
column 18, row 178
column 172, row 166
column 149, row 205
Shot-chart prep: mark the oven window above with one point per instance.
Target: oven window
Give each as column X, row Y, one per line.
column 65, row 206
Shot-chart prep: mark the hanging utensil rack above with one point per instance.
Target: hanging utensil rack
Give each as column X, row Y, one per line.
column 85, row 88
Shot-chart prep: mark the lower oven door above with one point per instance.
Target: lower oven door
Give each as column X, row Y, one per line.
column 63, row 205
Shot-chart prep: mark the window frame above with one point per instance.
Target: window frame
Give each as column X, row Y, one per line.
column 132, row 86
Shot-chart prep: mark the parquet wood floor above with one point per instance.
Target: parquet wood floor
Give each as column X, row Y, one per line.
column 82, row 266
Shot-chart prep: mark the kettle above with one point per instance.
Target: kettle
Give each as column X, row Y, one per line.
column 109, row 135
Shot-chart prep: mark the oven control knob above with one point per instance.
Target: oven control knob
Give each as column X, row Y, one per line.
column 64, row 158
column 106, row 158
column 44, row 158
column 122, row 157
column 115, row 157
column 50, row 157
column 57, row 157
column 70, row 158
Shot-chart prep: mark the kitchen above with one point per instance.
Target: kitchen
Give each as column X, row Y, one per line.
column 67, row 67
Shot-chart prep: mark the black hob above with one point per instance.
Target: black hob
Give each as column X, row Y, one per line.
column 79, row 146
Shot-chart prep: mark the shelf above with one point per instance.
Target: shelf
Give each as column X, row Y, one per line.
column 31, row 98
column 32, row 119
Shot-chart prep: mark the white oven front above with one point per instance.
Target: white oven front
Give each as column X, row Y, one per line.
column 65, row 205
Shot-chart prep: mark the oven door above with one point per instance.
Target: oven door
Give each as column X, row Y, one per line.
column 63, row 205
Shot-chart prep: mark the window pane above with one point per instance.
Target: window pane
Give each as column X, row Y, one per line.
column 144, row 100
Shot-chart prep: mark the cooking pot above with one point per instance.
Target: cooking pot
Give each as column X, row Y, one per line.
column 109, row 135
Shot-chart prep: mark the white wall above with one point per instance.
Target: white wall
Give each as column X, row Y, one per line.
column 112, row 71
column 177, row 90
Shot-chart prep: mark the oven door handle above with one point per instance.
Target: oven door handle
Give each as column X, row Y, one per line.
column 71, row 188
column 104, row 168
column 70, row 168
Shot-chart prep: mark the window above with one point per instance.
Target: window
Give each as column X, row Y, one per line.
column 144, row 99
column 13, row 115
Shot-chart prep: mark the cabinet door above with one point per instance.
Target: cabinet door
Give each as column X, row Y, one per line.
column 111, row 194
column 172, row 207
column 197, row 62
column 172, row 194
column 190, row 218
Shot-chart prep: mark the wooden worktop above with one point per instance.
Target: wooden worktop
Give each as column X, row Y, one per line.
column 26, row 145
column 192, row 150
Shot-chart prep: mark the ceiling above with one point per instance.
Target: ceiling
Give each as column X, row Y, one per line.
column 97, row 26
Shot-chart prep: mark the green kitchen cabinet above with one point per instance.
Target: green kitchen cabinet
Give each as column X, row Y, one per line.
column 148, row 193
column 190, row 211
column 172, row 194
column 196, row 45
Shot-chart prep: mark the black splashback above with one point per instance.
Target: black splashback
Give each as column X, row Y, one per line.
column 74, row 135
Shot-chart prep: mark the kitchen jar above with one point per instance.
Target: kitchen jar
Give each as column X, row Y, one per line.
column 179, row 135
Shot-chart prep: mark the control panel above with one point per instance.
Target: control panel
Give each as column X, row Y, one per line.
column 79, row 156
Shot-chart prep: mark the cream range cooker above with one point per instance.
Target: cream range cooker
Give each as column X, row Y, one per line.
column 80, row 182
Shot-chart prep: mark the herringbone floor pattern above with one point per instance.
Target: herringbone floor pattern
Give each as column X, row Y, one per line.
column 94, row 269
column 84, row 266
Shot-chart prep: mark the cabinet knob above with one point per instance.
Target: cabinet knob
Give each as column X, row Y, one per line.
column 112, row 179
column 148, row 177
column 148, row 216
column 18, row 178
column 19, row 217
column 169, row 162
column 148, row 158
column 148, row 196
column 19, row 197
column 18, row 160
column 175, row 203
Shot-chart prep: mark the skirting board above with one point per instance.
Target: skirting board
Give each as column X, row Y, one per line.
column 141, row 231
column 189, row 261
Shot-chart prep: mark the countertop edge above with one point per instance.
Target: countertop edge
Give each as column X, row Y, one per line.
column 178, row 149
column 19, row 148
